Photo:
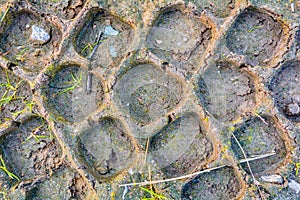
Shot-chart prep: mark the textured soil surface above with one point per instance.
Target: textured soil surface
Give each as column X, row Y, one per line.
column 149, row 100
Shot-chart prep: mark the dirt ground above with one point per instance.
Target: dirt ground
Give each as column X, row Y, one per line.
column 150, row 99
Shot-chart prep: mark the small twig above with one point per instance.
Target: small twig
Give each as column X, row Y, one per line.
column 124, row 192
column 97, row 44
column 5, row 13
column 89, row 82
column 146, row 152
column 90, row 75
column 196, row 173
column 150, row 179
column 262, row 119
column 292, row 7
column 248, row 165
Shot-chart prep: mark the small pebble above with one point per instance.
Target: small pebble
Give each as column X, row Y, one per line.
column 272, row 179
column 293, row 109
column 158, row 42
column 113, row 52
column 294, row 185
column 39, row 35
column 109, row 30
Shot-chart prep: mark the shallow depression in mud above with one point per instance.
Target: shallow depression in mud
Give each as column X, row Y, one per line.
column 260, row 136
column 226, row 91
column 61, row 185
column 179, row 38
column 181, row 146
column 256, row 35
column 15, row 96
column 218, row 184
column 72, row 95
column 285, row 87
column 147, row 93
column 29, row 41
column 106, row 149
column 103, row 38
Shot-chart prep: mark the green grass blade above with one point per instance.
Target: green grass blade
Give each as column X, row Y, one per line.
column 153, row 193
column 2, row 162
column 5, row 13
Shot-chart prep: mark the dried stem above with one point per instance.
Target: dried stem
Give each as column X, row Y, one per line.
column 194, row 174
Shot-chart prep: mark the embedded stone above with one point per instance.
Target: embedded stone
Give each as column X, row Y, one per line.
column 39, row 35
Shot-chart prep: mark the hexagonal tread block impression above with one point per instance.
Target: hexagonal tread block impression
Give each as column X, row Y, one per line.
column 226, row 91
column 147, row 93
column 106, row 149
column 260, row 136
column 29, row 41
column 15, row 96
column 285, row 87
column 256, row 35
column 68, row 94
column 218, row 184
column 63, row 9
column 179, row 38
column 108, row 35
column 31, row 150
column 181, row 146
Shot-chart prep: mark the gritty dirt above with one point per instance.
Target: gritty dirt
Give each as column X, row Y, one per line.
column 63, row 9
column 32, row 157
column 174, row 138
column 15, row 96
column 98, row 94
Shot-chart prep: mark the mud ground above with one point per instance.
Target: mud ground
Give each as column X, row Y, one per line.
column 98, row 96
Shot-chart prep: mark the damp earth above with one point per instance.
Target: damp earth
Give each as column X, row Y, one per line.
column 131, row 100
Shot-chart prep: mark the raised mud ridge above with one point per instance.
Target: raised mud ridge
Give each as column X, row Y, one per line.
column 98, row 94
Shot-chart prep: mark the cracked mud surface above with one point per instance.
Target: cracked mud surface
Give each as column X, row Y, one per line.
column 32, row 157
column 97, row 94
